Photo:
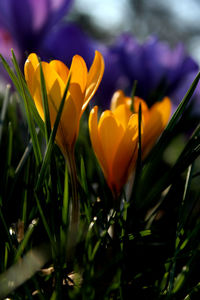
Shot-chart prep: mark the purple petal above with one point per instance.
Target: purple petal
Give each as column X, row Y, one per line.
column 66, row 41
column 29, row 21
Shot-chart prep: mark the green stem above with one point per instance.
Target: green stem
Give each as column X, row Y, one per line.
column 70, row 160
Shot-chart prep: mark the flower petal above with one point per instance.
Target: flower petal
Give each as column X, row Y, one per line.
column 110, row 134
column 78, row 71
column 29, row 69
column 119, row 98
column 126, row 154
column 61, row 69
column 94, row 77
column 69, row 125
column 96, row 144
column 158, row 119
column 123, row 114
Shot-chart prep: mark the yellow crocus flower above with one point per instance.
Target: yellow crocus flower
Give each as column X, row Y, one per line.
column 114, row 140
column 154, row 119
column 115, row 136
column 83, row 85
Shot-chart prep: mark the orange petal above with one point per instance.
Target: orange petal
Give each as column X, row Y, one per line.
column 119, row 98
column 158, row 119
column 125, row 156
column 145, row 110
column 69, row 122
column 123, row 114
column 29, row 70
column 54, row 86
column 61, row 69
column 110, row 134
column 94, row 77
column 96, row 144
column 78, row 71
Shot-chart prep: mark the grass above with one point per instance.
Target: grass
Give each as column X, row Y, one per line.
column 148, row 248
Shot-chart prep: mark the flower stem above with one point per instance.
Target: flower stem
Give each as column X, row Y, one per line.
column 74, row 218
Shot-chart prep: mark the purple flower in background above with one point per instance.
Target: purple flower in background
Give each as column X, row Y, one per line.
column 159, row 70
column 27, row 23
column 67, row 40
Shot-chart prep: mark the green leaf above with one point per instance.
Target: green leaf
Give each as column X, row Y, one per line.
column 133, row 95
column 45, row 105
column 4, row 109
column 50, row 145
column 31, row 125
column 148, row 179
column 65, row 198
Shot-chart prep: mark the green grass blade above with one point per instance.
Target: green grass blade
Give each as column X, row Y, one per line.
column 51, row 140
column 45, row 105
column 17, row 85
column 11, row 74
column 187, row 157
column 133, row 95
column 83, row 177
column 65, row 198
column 44, row 221
column 9, row 153
column 2, row 219
column 36, row 147
column 4, row 109
column 149, row 172
column 26, row 239
column 165, row 137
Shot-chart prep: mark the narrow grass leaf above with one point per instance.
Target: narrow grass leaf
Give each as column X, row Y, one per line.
column 4, row 109
column 51, row 140
column 25, row 240
column 190, row 152
column 36, row 147
column 11, row 74
column 154, row 157
column 9, row 153
column 83, row 177
column 65, row 198
column 133, row 95
column 45, row 105
column 44, row 221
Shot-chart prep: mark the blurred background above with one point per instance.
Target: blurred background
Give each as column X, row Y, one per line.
column 172, row 21
column 155, row 43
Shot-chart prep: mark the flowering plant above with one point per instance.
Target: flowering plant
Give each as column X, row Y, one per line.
column 129, row 228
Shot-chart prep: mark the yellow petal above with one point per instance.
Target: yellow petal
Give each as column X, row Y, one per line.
column 69, row 122
column 94, row 77
column 54, row 86
column 126, row 154
column 110, row 134
column 61, row 69
column 145, row 110
column 123, row 114
column 96, row 144
column 119, row 98
column 78, row 71
column 29, row 70
column 158, row 119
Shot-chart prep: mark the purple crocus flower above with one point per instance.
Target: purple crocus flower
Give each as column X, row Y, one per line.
column 28, row 23
column 159, row 70
column 67, row 40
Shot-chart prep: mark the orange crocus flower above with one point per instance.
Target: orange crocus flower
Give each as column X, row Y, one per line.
column 115, row 136
column 154, row 119
column 83, row 85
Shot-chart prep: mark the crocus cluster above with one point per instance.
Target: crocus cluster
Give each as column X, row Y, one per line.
column 115, row 136
column 83, row 85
